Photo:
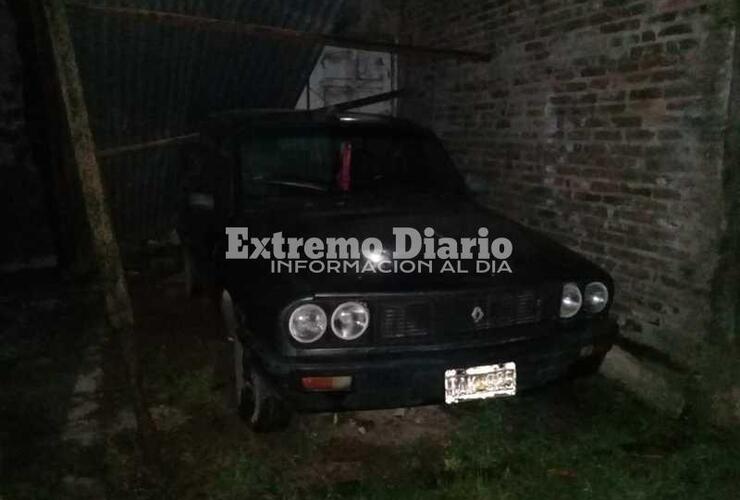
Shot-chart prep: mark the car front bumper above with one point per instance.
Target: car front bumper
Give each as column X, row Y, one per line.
column 414, row 379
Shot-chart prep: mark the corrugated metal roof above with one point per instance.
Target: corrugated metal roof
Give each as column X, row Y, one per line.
column 146, row 81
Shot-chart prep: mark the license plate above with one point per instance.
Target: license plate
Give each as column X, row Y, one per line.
column 480, row 382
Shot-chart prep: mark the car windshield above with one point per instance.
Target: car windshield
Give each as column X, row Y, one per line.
column 346, row 162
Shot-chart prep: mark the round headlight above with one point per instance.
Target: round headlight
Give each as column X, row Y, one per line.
column 350, row 320
column 570, row 302
column 307, row 323
column 596, row 297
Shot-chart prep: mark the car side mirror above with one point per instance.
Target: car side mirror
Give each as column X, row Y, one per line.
column 201, row 201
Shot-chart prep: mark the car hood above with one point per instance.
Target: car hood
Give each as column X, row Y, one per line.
column 535, row 258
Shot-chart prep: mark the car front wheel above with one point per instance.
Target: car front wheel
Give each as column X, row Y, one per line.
column 249, row 390
column 260, row 407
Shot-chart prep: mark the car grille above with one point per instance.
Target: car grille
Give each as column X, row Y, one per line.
column 408, row 320
column 446, row 314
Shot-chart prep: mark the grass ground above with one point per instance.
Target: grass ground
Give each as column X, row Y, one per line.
column 43, row 334
column 586, row 440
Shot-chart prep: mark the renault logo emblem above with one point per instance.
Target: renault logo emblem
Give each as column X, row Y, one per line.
column 477, row 314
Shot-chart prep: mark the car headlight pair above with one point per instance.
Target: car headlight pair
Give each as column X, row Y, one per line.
column 308, row 323
column 594, row 299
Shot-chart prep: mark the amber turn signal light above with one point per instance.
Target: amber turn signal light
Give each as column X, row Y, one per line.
column 326, row 384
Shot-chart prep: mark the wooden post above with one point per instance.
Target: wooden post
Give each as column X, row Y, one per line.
column 103, row 239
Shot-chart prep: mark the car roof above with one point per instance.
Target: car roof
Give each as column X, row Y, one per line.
column 231, row 122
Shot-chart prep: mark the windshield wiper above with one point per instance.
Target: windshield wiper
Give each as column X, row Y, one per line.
column 313, row 186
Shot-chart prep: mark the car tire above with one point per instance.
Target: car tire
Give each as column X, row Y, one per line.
column 588, row 366
column 248, row 391
column 260, row 407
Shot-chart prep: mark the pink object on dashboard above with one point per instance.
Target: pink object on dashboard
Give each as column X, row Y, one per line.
column 344, row 177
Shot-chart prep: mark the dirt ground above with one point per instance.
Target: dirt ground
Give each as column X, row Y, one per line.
column 586, row 439
column 47, row 327
column 580, row 440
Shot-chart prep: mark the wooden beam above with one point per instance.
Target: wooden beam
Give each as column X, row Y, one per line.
column 103, row 240
column 275, row 33
column 365, row 101
column 158, row 143
column 183, row 139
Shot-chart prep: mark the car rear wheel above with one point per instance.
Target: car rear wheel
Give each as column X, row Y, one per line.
column 194, row 283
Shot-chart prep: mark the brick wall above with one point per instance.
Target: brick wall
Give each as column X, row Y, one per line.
column 26, row 240
column 600, row 123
